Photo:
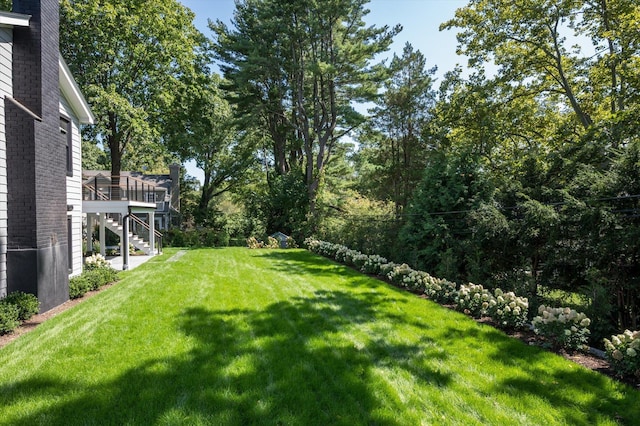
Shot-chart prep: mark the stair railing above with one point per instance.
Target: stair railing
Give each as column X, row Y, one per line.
column 145, row 226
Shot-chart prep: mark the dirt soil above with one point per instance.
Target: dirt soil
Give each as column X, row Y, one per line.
column 587, row 360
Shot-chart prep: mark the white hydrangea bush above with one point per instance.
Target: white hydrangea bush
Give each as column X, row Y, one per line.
column 508, row 310
column 323, row 248
column 440, row 290
column 373, row 264
column 95, row 261
column 385, row 268
column 398, row 273
column 623, row 352
column 359, row 260
column 474, row 300
column 562, row 327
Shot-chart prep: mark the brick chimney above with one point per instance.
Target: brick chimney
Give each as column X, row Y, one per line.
column 174, row 173
column 37, row 256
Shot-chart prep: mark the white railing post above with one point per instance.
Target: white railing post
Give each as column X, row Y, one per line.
column 124, row 249
column 103, row 240
column 152, row 233
column 90, row 220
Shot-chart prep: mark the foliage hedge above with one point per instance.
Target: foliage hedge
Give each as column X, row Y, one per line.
column 205, row 237
column 8, row 318
column 16, row 307
column 91, row 279
column 27, row 303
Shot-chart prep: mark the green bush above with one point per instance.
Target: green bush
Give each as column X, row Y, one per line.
column 106, row 275
column 9, row 317
column 78, row 286
column 27, row 304
column 91, row 279
column 96, row 278
column 206, row 237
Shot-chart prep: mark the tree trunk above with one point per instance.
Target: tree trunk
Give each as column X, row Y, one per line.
column 116, row 160
column 205, row 198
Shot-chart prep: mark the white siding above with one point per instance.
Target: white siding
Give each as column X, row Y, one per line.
column 6, row 59
column 74, row 187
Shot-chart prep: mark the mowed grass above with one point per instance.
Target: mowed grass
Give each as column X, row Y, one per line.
column 237, row 336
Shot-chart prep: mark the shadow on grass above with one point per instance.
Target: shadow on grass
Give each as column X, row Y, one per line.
column 547, row 376
column 301, row 361
column 306, row 263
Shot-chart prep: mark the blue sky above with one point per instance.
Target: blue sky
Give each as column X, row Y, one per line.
column 420, row 20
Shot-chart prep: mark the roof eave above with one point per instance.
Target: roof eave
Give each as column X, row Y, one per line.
column 72, row 92
column 10, row 19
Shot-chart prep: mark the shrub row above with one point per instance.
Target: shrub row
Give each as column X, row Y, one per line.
column 97, row 273
column 506, row 309
column 15, row 308
column 205, row 237
column 271, row 243
column 560, row 327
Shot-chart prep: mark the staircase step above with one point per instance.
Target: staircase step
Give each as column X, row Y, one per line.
column 135, row 240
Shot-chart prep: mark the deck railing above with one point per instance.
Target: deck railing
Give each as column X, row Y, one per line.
column 117, row 188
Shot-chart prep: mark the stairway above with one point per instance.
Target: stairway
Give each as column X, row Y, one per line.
column 134, row 240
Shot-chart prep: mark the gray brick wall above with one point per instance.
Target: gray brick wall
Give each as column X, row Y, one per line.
column 36, row 159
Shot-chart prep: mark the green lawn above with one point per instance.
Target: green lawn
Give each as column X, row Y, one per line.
column 235, row 336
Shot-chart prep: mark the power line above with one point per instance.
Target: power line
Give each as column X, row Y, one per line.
column 453, row 212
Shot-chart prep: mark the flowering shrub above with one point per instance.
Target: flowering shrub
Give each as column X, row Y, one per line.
column 440, row 290
column 312, row 244
column 253, row 243
column 359, row 260
column 272, row 243
column 398, row 272
column 346, row 255
column 372, row 264
column 291, row 243
column 562, row 327
column 508, row 310
column 474, row 300
column 623, row 352
column 385, row 268
column 95, row 261
column 322, row 248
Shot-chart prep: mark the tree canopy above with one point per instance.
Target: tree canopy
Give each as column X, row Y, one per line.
column 295, row 68
column 127, row 56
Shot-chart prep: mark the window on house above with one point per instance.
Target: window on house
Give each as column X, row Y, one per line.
column 65, row 130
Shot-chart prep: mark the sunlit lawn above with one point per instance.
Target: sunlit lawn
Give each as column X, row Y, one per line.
column 235, row 336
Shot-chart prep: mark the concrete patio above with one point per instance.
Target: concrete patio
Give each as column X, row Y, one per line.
column 134, row 261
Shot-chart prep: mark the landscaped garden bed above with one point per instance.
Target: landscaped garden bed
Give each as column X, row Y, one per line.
column 560, row 329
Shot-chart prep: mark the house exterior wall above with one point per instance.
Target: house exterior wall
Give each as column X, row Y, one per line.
column 6, row 41
column 74, row 189
column 37, row 257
